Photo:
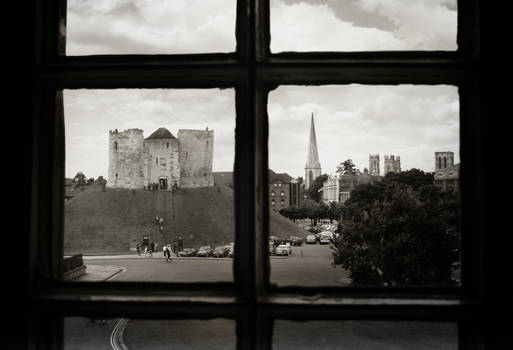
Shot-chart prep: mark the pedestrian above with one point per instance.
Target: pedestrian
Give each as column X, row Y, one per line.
column 156, row 220
column 138, row 247
column 167, row 253
column 161, row 221
column 161, row 228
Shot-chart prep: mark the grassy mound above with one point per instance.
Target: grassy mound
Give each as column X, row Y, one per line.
column 110, row 221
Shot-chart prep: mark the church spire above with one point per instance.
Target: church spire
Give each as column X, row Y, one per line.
column 313, row 165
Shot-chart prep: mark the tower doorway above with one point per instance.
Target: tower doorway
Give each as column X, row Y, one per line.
column 163, row 184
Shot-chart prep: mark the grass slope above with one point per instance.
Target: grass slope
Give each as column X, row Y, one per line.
column 110, row 221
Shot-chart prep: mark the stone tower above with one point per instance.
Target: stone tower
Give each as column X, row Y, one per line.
column 392, row 164
column 196, row 157
column 443, row 160
column 373, row 164
column 313, row 165
column 126, row 158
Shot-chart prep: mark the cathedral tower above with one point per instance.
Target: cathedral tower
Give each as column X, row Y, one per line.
column 313, row 165
column 374, row 164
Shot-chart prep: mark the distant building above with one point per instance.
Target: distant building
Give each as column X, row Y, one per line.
column 331, row 189
column 313, row 165
column 392, row 164
column 447, row 173
column 339, row 188
column 161, row 161
column 373, row 164
column 280, row 190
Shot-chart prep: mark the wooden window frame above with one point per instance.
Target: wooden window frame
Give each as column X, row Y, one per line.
column 252, row 71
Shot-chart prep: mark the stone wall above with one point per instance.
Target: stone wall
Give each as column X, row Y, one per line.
column 196, row 157
column 126, row 155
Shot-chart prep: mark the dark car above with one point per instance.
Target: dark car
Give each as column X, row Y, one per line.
column 219, row 252
column 187, row 252
column 293, row 240
column 204, row 250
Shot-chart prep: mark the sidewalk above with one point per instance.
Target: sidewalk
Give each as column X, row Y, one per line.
column 96, row 273
column 124, row 256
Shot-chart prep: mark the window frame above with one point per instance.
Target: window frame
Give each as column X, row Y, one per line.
column 252, row 71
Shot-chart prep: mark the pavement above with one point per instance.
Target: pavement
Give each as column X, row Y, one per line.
column 97, row 273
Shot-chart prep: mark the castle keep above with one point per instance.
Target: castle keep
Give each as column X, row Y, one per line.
column 161, row 160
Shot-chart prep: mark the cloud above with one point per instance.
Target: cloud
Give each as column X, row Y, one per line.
column 150, row 26
column 310, row 25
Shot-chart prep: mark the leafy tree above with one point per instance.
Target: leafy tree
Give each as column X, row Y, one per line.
column 346, row 167
column 400, row 231
column 313, row 191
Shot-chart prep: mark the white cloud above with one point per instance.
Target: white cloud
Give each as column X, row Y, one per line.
column 420, row 25
column 150, row 26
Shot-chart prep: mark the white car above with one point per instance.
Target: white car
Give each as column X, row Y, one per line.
column 325, row 238
column 283, row 249
column 310, row 239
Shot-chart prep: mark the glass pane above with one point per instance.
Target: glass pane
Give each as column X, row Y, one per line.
column 140, row 177
column 363, row 25
column 365, row 335
column 363, row 185
column 150, row 27
column 85, row 333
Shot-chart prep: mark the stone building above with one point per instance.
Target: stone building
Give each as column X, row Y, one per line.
column 392, row 164
column 313, row 165
column 373, row 164
column 446, row 174
column 339, row 188
column 284, row 191
column 161, row 161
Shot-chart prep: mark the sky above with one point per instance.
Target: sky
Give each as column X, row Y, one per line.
column 194, row 26
column 352, row 120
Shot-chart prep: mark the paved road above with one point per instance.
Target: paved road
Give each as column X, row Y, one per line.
column 312, row 268
column 309, row 265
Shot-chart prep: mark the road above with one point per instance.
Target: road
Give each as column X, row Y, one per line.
column 309, row 265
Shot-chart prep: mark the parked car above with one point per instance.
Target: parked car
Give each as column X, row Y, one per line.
column 187, row 252
column 310, row 239
column 325, row 238
column 293, row 240
column 230, row 252
column 284, row 249
column 205, row 250
column 219, row 252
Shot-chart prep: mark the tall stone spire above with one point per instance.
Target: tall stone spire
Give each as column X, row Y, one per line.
column 313, row 165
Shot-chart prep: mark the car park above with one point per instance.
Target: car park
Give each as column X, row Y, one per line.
column 205, row 251
column 219, row 252
column 310, row 239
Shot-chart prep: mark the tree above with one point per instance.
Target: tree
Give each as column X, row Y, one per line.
column 313, row 191
column 400, row 231
column 346, row 167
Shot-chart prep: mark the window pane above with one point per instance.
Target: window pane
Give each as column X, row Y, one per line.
column 363, row 25
column 140, row 175
column 370, row 198
column 365, row 335
column 85, row 333
column 150, row 27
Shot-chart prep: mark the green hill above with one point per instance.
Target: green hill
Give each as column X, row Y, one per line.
column 110, row 221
